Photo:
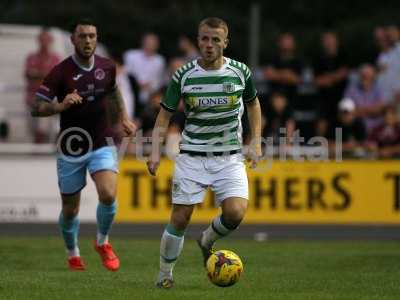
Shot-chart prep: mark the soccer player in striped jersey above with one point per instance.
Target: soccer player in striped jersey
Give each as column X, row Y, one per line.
column 214, row 89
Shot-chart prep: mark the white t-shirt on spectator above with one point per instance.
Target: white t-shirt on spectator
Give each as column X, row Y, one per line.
column 126, row 91
column 146, row 69
column 389, row 77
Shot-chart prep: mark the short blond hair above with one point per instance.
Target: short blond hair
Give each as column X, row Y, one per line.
column 214, row 22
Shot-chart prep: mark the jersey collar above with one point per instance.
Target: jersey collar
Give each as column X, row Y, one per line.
column 75, row 60
column 225, row 64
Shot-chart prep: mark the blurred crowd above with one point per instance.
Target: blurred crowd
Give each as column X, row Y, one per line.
column 311, row 96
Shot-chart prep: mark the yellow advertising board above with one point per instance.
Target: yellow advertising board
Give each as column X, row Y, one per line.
column 348, row 192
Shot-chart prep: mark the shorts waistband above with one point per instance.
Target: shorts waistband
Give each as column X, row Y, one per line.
column 198, row 153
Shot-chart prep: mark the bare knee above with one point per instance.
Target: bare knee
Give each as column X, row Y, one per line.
column 70, row 206
column 70, row 211
column 107, row 195
column 106, row 185
column 234, row 211
column 180, row 217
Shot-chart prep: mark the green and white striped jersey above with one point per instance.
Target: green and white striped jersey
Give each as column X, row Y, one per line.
column 213, row 104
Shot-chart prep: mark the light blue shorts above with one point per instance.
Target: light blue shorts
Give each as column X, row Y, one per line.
column 71, row 171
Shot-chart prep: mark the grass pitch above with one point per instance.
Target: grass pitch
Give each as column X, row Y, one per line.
column 35, row 268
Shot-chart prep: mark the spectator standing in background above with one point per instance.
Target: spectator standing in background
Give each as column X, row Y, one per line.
column 125, row 88
column 149, row 115
column 389, row 62
column 393, row 36
column 284, row 71
column 189, row 49
column 382, row 45
column 147, row 67
column 174, row 64
column 367, row 97
column 331, row 73
column 37, row 66
column 278, row 119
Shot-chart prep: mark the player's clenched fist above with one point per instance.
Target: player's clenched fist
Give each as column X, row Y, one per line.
column 129, row 127
column 71, row 99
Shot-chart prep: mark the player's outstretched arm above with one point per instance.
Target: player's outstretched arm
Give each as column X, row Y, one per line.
column 42, row 108
column 254, row 116
column 157, row 138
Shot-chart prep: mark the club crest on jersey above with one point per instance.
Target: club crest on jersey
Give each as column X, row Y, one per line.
column 99, row 74
column 228, row 87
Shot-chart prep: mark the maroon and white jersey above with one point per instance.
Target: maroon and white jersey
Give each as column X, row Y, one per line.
column 93, row 84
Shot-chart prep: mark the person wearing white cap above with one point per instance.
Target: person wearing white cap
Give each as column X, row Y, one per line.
column 353, row 131
column 347, row 105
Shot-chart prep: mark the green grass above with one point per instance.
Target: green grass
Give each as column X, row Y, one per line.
column 35, row 268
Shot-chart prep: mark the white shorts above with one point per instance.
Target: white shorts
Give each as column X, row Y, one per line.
column 226, row 175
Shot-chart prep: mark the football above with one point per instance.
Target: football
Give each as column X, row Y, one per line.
column 224, row 268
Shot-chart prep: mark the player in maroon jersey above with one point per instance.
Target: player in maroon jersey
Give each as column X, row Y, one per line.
column 83, row 91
